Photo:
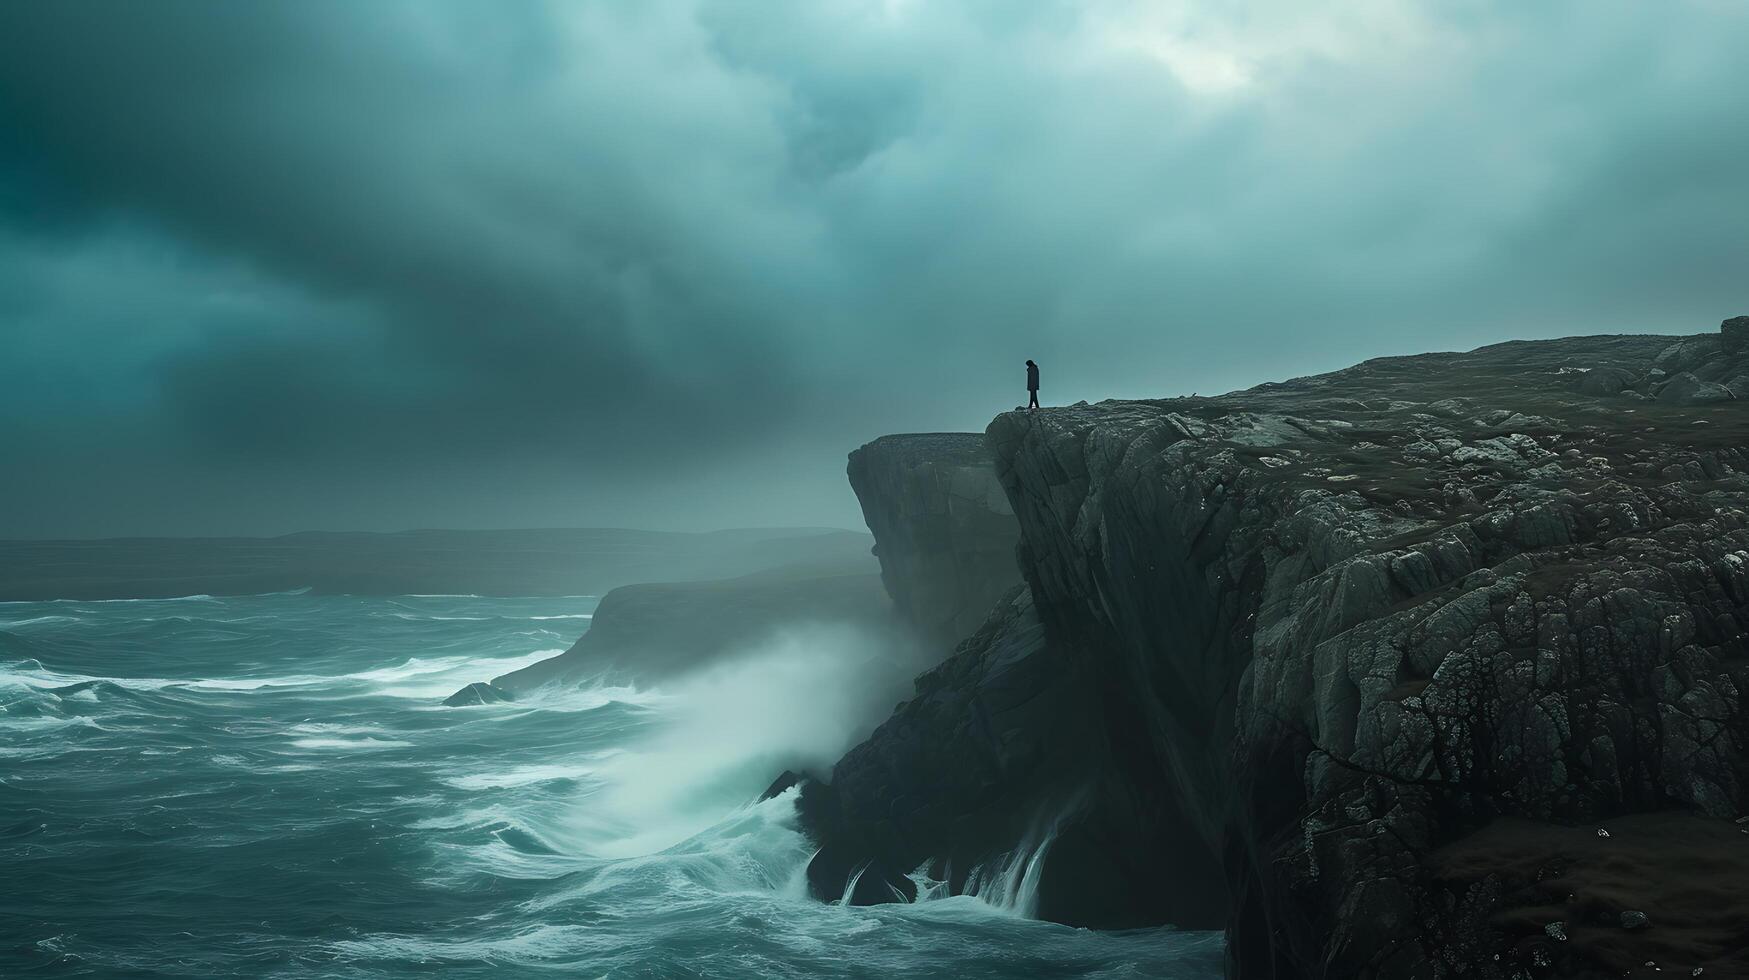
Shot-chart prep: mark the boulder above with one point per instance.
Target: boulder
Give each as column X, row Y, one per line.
column 1686, row 389
column 1605, row 380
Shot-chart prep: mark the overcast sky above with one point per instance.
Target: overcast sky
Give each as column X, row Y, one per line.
column 275, row 266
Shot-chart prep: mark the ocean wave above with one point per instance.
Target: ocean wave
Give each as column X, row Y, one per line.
column 350, row 744
column 520, row 776
column 42, row 723
column 435, row 676
column 202, row 597
column 592, row 830
column 538, row 943
column 38, row 620
column 333, row 728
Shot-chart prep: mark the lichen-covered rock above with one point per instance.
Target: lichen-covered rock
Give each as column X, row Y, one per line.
column 944, row 532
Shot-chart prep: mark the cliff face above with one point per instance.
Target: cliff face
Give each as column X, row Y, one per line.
column 943, row 529
column 1335, row 631
column 1006, row 777
column 1002, row 776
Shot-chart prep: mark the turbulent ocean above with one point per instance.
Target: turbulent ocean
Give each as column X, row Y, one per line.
column 269, row 786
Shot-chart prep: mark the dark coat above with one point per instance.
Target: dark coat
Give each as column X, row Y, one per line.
column 1032, row 377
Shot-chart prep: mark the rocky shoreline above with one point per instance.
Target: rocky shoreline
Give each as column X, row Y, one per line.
column 1281, row 653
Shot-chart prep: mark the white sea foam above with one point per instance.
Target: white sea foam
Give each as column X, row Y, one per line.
column 43, row 723
column 541, row 942
column 413, row 678
column 38, row 620
column 350, row 744
column 1011, row 881
column 519, row 776
column 797, row 701
column 333, row 728
column 36, row 602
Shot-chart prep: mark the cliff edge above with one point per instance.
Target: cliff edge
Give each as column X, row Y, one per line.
column 1358, row 651
column 943, row 529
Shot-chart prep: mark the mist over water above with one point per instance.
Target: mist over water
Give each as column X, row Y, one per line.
column 268, row 786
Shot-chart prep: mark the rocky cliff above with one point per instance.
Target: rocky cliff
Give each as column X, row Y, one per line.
column 998, row 775
column 943, row 529
column 1355, row 653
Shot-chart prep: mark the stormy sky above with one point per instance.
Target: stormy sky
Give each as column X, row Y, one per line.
column 276, row 266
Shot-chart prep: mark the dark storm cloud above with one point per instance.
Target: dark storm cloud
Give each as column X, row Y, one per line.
column 381, row 264
column 339, row 149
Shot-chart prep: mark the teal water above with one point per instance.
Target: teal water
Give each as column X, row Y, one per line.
column 268, row 786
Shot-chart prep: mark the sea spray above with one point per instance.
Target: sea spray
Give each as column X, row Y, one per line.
column 1010, row 880
column 796, row 701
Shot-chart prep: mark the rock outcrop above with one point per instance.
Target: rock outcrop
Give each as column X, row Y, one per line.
column 943, row 529
column 643, row 634
column 1322, row 633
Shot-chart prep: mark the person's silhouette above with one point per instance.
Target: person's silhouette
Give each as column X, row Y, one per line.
column 1031, row 385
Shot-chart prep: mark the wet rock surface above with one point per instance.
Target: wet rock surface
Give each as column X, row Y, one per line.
column 1002, row 778
column 1326, row 628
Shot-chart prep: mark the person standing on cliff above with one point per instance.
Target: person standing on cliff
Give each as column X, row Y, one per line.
column 1031, row 385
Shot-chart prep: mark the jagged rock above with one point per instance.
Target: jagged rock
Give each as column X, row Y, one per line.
column 943, row 529
column 1686, row 389
column 1320, row 664
column 1634, row 920
column 478, row 693
column 1689, row 353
